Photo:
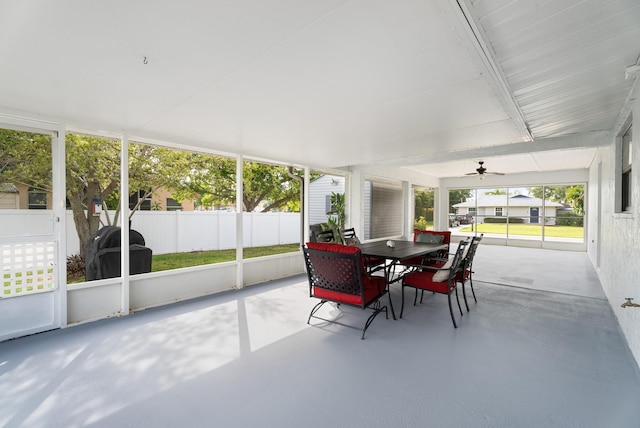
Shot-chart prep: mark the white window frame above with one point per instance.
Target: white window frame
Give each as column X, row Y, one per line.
column 626, row 184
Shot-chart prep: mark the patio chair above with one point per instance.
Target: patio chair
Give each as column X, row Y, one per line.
column 337, row 274
column 440, row 280
column 349, row 237
column 432, row 237
column 324, row 236
column 467, row 272
column 372, row 264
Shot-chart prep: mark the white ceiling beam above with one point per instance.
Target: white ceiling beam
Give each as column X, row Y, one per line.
column 574, row 141
column 495, row 76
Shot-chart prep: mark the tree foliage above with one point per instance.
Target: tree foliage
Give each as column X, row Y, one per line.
column 93, row 173
column 457, row 196
column 496, row 192
column 571, row 195
column 22, row 156
column 424, row 204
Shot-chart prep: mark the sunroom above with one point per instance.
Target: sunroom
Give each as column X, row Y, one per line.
column 389, row 100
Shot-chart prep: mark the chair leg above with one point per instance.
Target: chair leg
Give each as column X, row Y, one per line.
column 415, row 298
column 421, row 296
column 315, row 309
column 464, row 295
column 458, row 299
column 471, row 283
column 451, row 311
column 372, row 317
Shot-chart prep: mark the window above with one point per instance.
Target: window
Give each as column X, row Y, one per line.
column 37, row 199
column 173, row 205
column 328, row 206
column 537, row 213
column 625, row 182
column 140, row 200
column 383, row 209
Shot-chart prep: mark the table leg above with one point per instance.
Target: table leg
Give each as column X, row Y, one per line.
column 387, row 273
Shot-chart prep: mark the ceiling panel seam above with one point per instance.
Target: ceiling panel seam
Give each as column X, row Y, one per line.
column 496, row 76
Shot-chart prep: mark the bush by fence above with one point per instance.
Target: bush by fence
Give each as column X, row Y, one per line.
column 503, row 220
column 568, row 219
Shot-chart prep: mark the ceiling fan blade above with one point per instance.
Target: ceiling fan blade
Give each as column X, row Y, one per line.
column 471, row 173
column 494, row 173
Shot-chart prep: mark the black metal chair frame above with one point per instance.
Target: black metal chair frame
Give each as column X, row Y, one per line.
column 341, row 273
column 348, row 234
column 324, row 236
column 455, row 268
column 373, row 264
column 468, row 267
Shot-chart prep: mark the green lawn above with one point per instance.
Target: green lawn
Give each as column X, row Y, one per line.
column 197, row 258
column 528, row 230
column 180, row 260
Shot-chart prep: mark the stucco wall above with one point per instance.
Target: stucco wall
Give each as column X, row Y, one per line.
column 617, row 243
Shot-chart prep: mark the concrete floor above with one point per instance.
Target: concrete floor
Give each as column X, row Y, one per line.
column 541, row 348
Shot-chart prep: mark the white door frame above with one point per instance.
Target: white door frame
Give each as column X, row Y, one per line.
column 40, row 311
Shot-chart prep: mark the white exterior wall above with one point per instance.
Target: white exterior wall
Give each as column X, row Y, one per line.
column 318, row 191
column 615, row 247
column 9, row 201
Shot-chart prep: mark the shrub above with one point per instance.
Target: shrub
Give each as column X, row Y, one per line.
column 421, row 223
column 568, row 219
column 503, row 220
column 75, row 266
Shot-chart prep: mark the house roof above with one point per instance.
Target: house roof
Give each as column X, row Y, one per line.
column 8, row 188
column 503, row 201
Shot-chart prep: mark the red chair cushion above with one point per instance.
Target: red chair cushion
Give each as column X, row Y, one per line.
column 336, row 248
column 373, row 261
column 424, row 281
column 446, row 239
column 463, row 276
column 332, row 247
column 373, row 287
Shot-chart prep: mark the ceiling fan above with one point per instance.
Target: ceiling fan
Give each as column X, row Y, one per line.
column 482, row 171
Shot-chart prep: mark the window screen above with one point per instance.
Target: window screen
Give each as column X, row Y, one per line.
column 383, row 209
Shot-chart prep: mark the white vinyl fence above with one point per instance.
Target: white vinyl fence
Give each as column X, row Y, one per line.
column 171, row 231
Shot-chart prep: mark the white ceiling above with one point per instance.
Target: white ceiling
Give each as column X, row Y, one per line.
column 331, row 83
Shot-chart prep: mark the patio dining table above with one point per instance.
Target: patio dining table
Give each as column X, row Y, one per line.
column 394, row 254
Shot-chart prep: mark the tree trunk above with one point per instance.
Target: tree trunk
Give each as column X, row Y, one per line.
column 86, row 224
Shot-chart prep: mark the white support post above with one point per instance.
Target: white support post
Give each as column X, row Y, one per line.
column 307, row 181
column 441, row 213
column 355, row 183
column 409, row 205
column 239, row 224
column 124, row 224
column 60, row 222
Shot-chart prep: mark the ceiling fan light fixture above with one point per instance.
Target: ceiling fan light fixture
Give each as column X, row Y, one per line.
column 481, row 171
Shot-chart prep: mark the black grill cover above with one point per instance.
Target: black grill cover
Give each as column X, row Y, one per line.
column 102, row 255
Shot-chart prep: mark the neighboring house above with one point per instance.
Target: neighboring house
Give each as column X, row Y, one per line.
column 9, row 196
column 530, row 209
column 23, row 197
column 161, row 200
column 320, row 191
